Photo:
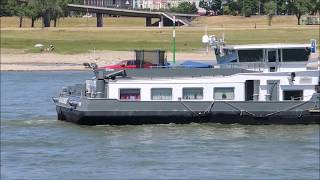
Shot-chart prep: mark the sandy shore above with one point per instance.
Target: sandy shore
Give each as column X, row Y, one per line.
column 18, row 60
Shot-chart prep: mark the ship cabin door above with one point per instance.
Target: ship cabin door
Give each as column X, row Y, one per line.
column 252, row 89
column 272, row 90
column 272, row 59
column 249, row 90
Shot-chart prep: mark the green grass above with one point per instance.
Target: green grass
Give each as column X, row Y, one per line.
column 240, row 21
column 76, row 35
column 10, row 22
column 69, row 41
column 211, row 21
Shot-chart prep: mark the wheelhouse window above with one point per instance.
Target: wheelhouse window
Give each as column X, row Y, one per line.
column 192, row 93
column 223, row 93
column 161, row 94
column 293, row 95
column 250, row 55
column 130, row 94
column 292, row 55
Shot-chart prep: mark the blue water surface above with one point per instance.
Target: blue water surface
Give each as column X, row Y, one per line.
column 34, row 145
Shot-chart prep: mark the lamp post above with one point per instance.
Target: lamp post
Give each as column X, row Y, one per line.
column 174, row 40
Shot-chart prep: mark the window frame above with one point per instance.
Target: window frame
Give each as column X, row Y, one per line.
column 129, row 99
column 151, row 95
column 242, row 52
column 301, row 90
column 214, row 91
column 183, row 90
column 287, row 55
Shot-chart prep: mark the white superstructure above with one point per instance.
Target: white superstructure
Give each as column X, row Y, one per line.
column 280, row 73
column 255, row 86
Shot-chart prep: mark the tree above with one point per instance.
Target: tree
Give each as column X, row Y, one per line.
column 234, row 7
column 301, row 7
column 185, row 7
column 226, row 10
column 249, row 7
column 4, row 11
column 316, row 7
column 215, row 5
column 48, row 10
column 204, row 4
column 63, row 5
column 17, row 8
column 56, row 10
column 282, row 7
column 270, row 9
column 211, row 5
column 33, row 12
column 42, row 9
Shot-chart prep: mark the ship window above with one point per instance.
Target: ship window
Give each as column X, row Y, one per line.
column 250, row 55
column 272, row 69
column 130, row 94
column 291, row 55
column 192, row 93
column 223, row 93
column 161, row 93
column 293, row 95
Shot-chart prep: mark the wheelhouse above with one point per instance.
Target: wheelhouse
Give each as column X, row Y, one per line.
column 264, row 57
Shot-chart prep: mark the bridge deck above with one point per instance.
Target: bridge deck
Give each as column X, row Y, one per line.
column 165, row 18
column 122, row 12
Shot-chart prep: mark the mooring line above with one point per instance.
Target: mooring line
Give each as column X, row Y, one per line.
column 188, row 107
column 287, row 109
column 208, row 109
column 241, row 110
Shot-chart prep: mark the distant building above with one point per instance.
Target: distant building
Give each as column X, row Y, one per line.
column 138, row 4
column 161, row 4
column 125, row 4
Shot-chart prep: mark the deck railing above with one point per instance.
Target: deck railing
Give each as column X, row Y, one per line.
column 255, row 66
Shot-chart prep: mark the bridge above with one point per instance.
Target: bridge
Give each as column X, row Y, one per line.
column 164, row 18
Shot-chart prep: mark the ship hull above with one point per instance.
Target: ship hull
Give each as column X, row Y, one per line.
column 114, row 112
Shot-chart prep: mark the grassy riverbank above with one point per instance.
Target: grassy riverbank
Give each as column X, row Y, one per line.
column 212, row 21
column 72, row 40
column 126, row 34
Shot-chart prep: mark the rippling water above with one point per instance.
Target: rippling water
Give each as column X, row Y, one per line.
column 34, row 145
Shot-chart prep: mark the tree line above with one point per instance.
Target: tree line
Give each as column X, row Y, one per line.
column 262, row 7
column 52, row 10
column 47, row 10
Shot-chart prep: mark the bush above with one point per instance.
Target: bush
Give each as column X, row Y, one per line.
column 185, row 7
column 226, row 10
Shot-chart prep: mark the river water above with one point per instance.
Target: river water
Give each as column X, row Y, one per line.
column 34, row 145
